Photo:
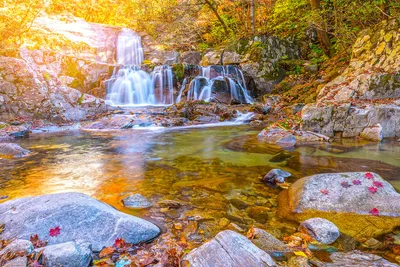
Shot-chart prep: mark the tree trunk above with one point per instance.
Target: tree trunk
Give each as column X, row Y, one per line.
column 322, row 35
column 213, row 8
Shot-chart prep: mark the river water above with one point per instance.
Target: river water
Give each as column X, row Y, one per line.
column 210, row 174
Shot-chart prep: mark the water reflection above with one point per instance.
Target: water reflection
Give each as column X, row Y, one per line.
column 210, row 174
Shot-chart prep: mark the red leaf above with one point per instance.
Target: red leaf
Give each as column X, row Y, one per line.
column 55, row 231
column 119, row 243
column 372, row 189
column 374, row 212
column 356, row 182
column 378, row 184
column 324, row 191
column 369, row 176
column 345, row 184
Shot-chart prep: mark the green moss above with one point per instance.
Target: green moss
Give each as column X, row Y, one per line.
column 80, row 100
column 179, row 71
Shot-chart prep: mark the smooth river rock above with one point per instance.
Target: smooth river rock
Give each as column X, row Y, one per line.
column 228, row 248
column 136, row 201
column 71, row 254
column 348, row 200
column 276, row 176
column 321, row 230
column 79, row 217
column 12, row 150
column 355, row 258
column 17, row 246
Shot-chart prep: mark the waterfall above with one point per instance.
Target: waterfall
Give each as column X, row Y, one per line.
column 129, row 48
column 218, row 79
column 132, row 86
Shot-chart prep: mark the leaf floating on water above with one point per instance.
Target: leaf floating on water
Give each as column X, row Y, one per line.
column 369, row 176
column 345, row 184
column 356, row 182
column 55, row 231
column 324, row 191
column 372, row 189
column 119, row 243
column 374, row 212
column 378, row 184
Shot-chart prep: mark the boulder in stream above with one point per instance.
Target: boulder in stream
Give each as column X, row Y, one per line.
column 12, row 150
column 78, row 216
column 361, row 204
column 228, row 248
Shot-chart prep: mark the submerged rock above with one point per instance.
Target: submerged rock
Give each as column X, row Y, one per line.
column 79, row 217
column 276, row 176
column 12, row 150
column 136, row 201
column 322, row 230
column 267, row 242
column 231, row 249
column 290, row 138
column 360, row 204
column 71, row 254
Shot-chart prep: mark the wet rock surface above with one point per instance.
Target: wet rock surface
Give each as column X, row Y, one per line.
column 275, row 176
column 77, row 215
column 355, row 258
column 322, row 230
column 352, row 201
column 74, row 254
column 267, row 242
column 290, row 138
column 12, row 150
column 136, row 201
column 228, row 249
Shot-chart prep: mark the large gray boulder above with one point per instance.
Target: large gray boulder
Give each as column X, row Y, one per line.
column 231, row 249
column 79, row 217
column 360, row 204
column 71, row 254
column 12, row 150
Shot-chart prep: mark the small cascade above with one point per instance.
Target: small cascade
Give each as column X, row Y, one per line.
column 129, row 48
column 163, row 86
column 225, row 81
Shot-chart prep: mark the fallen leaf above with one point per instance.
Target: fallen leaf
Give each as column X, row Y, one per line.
column 300, row 253
column 106, row 252
column 377, row 184
column 55, row 231
column 119, row 243
column 372, row 189
column 356, row 182
column 374, row 212
column 324, row 191
column 369, row 176
column 345, row 184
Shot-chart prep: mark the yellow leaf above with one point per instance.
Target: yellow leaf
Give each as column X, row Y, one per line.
column 300, row 253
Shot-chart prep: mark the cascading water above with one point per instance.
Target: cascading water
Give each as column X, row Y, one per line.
column 130, row 86
column 225, row 79
column 129, row 48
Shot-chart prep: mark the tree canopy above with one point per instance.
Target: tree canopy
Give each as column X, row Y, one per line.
column 198, row 24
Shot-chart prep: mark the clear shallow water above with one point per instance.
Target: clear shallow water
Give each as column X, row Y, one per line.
column 211, row 174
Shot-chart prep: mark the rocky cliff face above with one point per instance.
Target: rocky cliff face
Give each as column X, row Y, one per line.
column 29, row 92
column 364, row 98
column 59, row 70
